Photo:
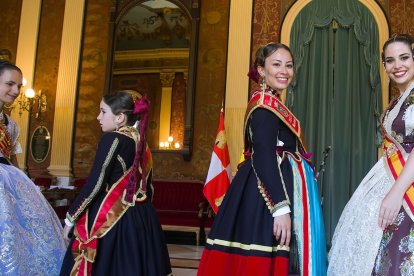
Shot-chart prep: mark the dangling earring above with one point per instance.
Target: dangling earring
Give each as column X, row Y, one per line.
column 263, row 85
column 117, row 126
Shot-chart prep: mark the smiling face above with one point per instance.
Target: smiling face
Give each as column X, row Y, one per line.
column 106, row 118
column 278, row 69
column 10, row 84
column 399, row 64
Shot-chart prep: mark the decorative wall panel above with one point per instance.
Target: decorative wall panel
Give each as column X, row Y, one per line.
column 92, row 83
column 402, row 21
column 9, row 22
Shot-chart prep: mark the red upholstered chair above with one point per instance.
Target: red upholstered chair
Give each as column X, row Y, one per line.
column 44, row 182
column 79, row 183
column 180, row 205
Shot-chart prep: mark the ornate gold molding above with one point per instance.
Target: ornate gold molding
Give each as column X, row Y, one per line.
column 151, row 61
column 167, row 79
column 383, row 34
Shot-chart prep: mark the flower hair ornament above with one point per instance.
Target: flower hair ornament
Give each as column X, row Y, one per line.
column 139, row 173
column 253, row 73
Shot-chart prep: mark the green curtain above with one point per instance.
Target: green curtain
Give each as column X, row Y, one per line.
column 336, row 95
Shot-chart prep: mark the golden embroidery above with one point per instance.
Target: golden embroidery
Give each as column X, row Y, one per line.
column 248, row 247
column 280, row 205
column 98, row 185
column 121, row 160
column 130, row 132
column 263, row 191
column 6, row 145
column 391, row 150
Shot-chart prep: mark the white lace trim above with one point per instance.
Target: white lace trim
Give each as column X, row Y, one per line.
column 393, row 113
column 357, row 235
column 409, row 120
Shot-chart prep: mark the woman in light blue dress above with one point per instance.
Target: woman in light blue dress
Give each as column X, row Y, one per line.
column 31, row 236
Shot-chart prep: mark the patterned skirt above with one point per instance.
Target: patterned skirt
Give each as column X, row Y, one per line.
column 31, row 240
column 241, row 241
column 396, row 251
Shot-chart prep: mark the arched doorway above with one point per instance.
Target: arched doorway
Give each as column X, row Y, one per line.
column 339, row 91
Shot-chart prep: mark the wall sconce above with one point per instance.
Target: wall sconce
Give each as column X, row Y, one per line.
column 34, row 104
column 169, row 144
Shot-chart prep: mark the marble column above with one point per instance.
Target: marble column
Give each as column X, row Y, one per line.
column 63, row 125
column 26, row 59
column 165, row 113
column 237, row 83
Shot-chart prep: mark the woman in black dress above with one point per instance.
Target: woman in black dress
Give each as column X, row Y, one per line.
column 274, row 193
column 116, row 229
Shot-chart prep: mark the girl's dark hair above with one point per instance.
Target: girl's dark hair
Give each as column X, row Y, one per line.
column 135, row 106
column 261, row 54
column 8, row 66
column 403, row 38
column 122, row 102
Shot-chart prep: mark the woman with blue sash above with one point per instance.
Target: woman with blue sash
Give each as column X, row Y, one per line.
column 273, row 200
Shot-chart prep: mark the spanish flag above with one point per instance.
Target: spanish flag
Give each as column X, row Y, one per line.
column 219, row 172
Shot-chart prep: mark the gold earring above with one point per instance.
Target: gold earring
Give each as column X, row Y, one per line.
column 264, row 85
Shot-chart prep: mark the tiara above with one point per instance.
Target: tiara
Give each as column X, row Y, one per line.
column 134, row 94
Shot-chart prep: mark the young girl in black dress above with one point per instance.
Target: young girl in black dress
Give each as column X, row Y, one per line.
column 116, row 229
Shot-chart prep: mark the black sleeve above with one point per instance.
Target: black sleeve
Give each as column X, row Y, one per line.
column 107, row 148
column 264, row 129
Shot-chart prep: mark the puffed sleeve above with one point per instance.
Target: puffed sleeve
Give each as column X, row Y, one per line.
column 107, row 149
column 409, row 120
column 264, row 129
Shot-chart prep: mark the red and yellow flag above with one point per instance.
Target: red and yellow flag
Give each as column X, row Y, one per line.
column 219, row 172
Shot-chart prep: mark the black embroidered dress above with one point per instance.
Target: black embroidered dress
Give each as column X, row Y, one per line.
column 241, row 241
column 134, row 245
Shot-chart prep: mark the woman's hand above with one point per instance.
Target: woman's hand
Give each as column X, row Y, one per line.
column 66, row 232
column 390, row 206
column 282, row 229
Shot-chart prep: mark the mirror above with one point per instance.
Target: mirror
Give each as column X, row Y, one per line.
column 40, row 144
column 154, row 47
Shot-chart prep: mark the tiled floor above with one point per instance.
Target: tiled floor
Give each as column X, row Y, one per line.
column 184, row 271
column 184, row 259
